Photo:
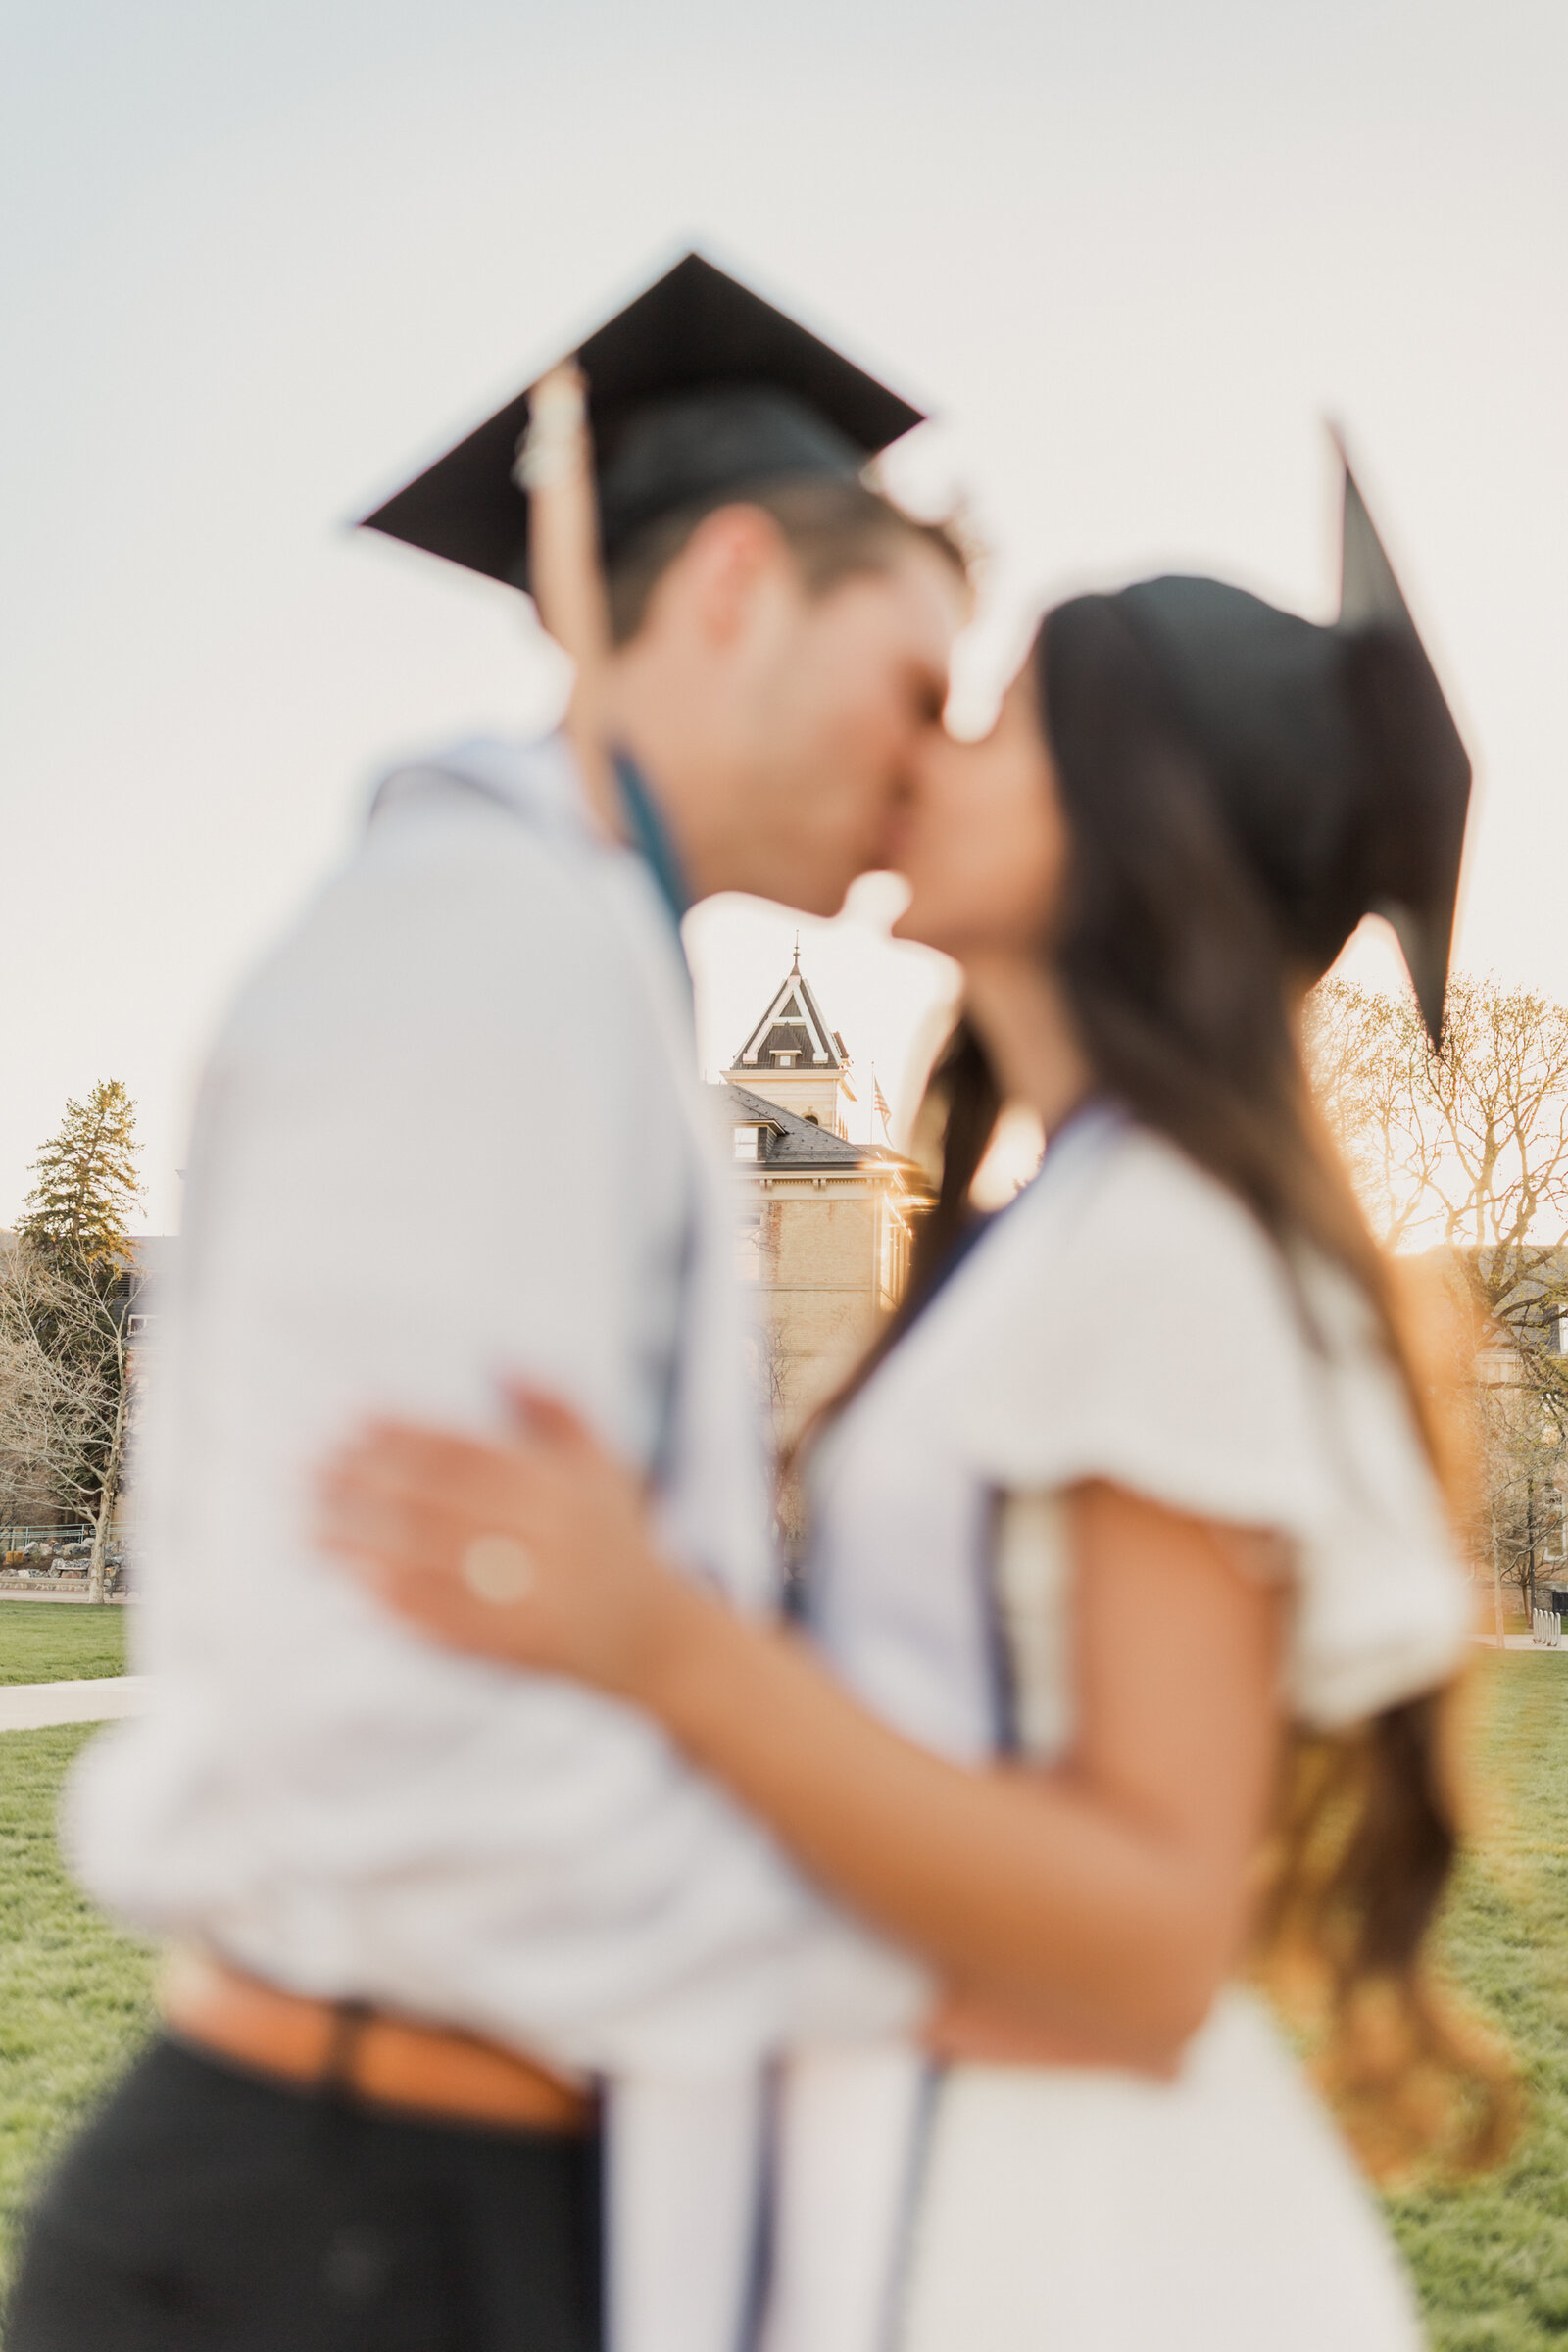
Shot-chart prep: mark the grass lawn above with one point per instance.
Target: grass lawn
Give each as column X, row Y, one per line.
column 60, row 1641
column 73, row 1995
column 1492, row 2259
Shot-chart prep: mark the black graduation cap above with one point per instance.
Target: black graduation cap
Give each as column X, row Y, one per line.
column 1338, row 762
column 698, row 387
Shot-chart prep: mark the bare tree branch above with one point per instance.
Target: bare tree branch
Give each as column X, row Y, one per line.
column 1468, row 1151
column 66, row 1386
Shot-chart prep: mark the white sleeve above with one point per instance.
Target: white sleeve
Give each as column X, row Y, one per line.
column 1167, row 1348
column 1159, row 1345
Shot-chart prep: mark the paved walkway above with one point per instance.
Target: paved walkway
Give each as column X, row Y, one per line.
column 10, row 1589
column 28, row 1706
column 31, row 1706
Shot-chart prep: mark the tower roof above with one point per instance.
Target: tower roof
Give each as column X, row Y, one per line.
column 793, row 1025
column 802, row 1144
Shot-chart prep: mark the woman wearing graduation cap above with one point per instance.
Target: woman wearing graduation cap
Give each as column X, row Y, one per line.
column 1132, row 1595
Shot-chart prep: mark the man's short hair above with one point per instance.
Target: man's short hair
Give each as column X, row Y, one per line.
column 832, row 528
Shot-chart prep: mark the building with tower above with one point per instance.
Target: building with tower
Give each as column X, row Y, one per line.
column 826, row 1222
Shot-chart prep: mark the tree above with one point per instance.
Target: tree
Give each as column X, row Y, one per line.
column 67, row 1389
column 87, row 1181
column 1467, row 1151
column 1523, row 1463
column 66, row 1294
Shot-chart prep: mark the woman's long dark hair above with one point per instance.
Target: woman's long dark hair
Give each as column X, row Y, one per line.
column 1180, row 976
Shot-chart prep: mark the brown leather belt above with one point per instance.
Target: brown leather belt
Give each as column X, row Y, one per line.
column 362, row 2054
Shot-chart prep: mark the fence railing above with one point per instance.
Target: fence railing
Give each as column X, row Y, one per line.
column 1545, row 1629
column 12, row 1539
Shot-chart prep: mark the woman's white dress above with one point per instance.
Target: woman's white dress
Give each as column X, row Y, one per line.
column 1124, row 1319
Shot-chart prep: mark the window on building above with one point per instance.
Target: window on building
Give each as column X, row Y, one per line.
column 748, row 1143
column 749, row 1247
column 1555, row 1512
column 785, row 1061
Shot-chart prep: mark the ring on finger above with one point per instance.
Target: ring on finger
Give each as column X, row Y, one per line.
column 497, row 1569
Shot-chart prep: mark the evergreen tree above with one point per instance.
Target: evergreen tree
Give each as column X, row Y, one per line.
column 87, row 1181
column 66, row 1289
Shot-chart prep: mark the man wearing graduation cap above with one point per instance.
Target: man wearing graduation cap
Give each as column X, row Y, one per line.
column 450, row 1134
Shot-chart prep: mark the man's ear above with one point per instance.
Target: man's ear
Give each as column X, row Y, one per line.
column 735, row 555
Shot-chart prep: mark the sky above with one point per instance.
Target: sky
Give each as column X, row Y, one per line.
column 260, row 262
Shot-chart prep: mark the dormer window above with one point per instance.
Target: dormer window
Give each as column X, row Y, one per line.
column 785, row 1061
column 748, row 1142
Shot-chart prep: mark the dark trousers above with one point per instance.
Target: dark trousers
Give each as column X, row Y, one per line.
column 207, row 2210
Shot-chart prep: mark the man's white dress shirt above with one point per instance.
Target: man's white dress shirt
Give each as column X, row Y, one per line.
column 452, row 1131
